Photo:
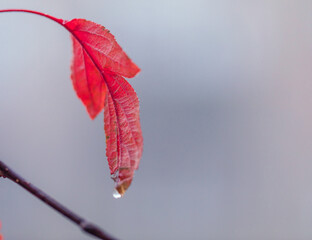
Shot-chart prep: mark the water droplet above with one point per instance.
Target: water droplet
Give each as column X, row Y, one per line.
column 116, row 194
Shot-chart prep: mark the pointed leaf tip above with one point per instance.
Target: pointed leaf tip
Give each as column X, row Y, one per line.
column 122, row 187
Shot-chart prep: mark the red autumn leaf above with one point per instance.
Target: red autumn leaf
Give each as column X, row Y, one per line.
column 87, row 80
column 97, row 69
column 102, row 47
column 124, row 142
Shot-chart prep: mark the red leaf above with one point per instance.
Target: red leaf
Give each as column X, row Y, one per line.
column 97, row 69
column 87, row 80
column 124, row 142
column 102, row 47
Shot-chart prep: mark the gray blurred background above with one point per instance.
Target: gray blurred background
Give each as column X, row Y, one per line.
column 226, row 112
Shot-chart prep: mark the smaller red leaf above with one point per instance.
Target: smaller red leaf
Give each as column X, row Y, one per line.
column 88, row 82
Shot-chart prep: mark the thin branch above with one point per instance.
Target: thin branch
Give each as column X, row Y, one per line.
column 84, row 225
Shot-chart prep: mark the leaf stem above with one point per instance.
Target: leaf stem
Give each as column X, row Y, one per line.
column 84, row 225
column 60, row 21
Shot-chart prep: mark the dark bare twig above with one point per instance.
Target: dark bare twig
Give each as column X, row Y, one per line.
column 85, row 226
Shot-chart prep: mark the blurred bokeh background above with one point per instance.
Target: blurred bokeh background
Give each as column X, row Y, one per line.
column 226, row 112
